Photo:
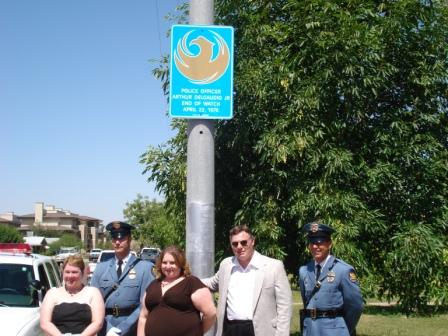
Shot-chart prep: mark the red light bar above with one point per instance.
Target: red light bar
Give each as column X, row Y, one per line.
column 15, row 248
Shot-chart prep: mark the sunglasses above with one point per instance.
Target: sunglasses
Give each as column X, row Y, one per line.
column 242, row 242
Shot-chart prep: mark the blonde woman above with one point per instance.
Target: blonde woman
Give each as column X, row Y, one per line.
column 73, row 309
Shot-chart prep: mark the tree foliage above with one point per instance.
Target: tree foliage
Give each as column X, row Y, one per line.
column 65, row 240
column 341, row 115
column 154, row 225
column 9, row 234
column 45, row 232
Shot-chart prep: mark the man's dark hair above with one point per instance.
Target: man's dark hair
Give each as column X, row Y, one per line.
column 238, row 229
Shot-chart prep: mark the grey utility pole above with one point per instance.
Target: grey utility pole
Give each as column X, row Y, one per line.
column 200, row 230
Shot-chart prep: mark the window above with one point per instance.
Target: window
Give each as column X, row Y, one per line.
column 51, row 275
column 15, row 289
column 43, row 279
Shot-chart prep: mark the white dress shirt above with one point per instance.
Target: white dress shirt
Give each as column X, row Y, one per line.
column 323, row 263
column 241, row 290
column 125, row 261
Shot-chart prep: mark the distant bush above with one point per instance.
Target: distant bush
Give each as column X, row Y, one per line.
column 43, row 232
column 67, row 240
column 9, row 234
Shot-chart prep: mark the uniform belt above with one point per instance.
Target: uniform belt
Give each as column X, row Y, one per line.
column 317, row 313
column 117, row 311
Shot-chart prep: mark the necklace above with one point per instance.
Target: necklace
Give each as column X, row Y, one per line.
column 166, row 283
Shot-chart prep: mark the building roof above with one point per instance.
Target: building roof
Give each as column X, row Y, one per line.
column 52, row 228
column 87, row 218
column 63, row 215
column 10, row 218
column 51, row 240
column 35, row 241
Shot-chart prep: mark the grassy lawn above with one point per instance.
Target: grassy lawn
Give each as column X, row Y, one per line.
column 379, row 320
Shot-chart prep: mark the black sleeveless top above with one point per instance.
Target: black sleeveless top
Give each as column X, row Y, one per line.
column 173, row 313
column 71, row 317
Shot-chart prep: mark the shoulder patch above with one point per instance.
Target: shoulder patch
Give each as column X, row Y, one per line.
column 352, row 276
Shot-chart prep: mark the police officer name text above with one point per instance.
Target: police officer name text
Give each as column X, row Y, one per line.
column 196, row 100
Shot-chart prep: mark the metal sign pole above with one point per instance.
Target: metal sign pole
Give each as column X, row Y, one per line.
column 200, row 225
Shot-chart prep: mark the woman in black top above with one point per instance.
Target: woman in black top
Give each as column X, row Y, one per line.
column 72, row 308
column 177, row 303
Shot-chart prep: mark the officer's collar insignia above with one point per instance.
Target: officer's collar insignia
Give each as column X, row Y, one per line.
column 132, row 274
column 116, row 225
column 314, row 227
column 353, row 277
column 331, row 276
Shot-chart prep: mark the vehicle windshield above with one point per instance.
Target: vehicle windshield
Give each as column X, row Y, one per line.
column 106, row 256
column 150, row 252
column 15, row 286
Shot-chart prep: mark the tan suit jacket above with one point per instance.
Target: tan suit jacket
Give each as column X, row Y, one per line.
column 272, row 304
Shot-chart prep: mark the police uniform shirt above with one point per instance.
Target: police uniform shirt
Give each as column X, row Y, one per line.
column 339, row 290
column 127, row 295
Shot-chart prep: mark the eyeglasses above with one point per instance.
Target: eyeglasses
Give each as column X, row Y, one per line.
column 242, row 242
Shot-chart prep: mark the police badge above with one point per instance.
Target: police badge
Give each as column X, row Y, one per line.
column 132, row 274
column 331, row 276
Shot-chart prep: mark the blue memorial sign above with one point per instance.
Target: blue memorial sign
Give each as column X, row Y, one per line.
column 201, row 72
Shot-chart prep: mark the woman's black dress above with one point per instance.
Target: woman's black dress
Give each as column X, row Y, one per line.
column 173, row 314
column 71, row 317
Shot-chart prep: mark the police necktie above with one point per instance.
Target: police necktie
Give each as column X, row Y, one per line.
column 119, row 269
column 318, row 268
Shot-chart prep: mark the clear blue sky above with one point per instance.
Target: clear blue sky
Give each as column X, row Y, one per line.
column 79, row 103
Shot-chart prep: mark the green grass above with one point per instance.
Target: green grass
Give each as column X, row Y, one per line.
column 385, row 320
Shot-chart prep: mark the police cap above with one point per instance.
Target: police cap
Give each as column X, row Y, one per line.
column 317, row 232
column 119, row 229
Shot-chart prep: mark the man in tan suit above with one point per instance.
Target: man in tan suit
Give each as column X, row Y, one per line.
column 254, row 293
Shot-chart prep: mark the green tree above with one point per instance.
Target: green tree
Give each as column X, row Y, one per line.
column 66, row 240
column 340, row 114
column 154, row 227
column 9, row 234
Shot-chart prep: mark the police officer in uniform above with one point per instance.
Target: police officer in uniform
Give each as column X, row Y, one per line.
column 122, row 281
column 329, row 287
